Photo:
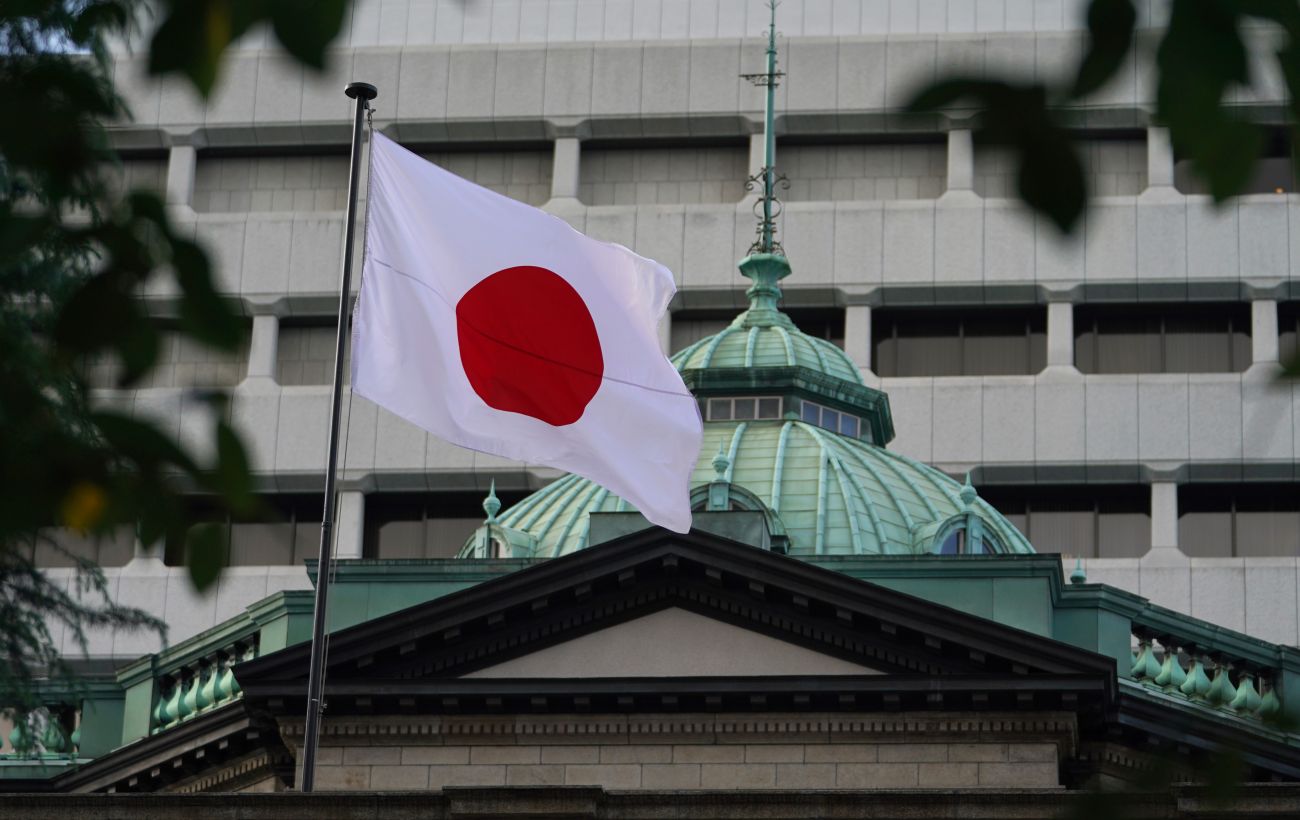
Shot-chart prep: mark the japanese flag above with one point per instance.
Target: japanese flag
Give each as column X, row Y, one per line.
column 498, row 327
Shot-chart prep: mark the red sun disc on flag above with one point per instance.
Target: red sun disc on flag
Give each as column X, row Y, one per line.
column 529, row 345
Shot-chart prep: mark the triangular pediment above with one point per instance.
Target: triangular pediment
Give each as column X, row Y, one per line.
column 672, row 643
column 655, row 613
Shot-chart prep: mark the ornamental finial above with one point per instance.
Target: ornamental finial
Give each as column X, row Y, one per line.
column 721, row 464
column 492, row 504
column 968, row 494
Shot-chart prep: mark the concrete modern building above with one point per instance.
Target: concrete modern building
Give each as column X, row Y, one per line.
column 847, row 616
column 1113, row 394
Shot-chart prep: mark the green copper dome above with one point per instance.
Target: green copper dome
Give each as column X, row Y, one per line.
column 763, row 336
column 790, row 430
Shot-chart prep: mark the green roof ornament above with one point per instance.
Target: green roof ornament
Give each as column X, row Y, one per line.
column 492, row 504
column 721, row 463
column 719, row 489
column 968, row 494
column 1078, row 576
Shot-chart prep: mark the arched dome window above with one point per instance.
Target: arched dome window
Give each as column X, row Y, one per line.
column 967, row 535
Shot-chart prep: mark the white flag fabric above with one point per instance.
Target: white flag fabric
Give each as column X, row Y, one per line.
column 498, row 327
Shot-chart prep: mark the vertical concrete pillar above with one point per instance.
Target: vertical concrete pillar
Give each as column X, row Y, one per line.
column 1164, row 515
column 350, row 529
column 961, row 160
column 181, row 161
column 1160, row 159
column 666, row 333
column 857, row 335
column 566, row 170
column 262, row 347
column 1060, row 334
column 1263, row 332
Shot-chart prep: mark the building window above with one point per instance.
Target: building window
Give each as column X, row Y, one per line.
column 424, row 525
column 959, row 342
column 829, row 171
column 820, row 323
column 689, row 326
column 1114, row 164
column 267, row 184
column 1162, row 338
column 519, row 172
column 182, row 362
column 1288, row 329
column 1251, row 520
column 744, row 409
column 1088, row 520
column 60, row 547
column 304, row 354
column 1274, row 173
column 284, row 533
column 686, row 174
column 836, row 421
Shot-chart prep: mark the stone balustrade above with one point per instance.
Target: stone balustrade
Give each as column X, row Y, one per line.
column 1204, row 676
column 199, row 685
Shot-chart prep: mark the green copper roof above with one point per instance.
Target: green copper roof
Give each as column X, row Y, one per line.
column 763, row 336
column 835, row 495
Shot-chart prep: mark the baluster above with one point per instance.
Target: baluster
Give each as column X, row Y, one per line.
column 172, row 710
column 191, row 699
column 19, row 736
column 156, row 716
column 1269, row 705
column 53, row 740
column 1171, row 674
column 1221, row 689
column 226, row 680
column 183, row 709
column 208, row 691
column 1197, row 685
column 1247, row 699
column 1145, row 667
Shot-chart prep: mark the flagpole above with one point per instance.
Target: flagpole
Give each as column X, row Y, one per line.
column 362, row 93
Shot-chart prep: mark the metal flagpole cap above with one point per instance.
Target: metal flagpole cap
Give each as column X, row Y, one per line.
column 365, row 91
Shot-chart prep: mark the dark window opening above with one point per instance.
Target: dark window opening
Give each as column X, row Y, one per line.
column 285, row 532
column 959, row 342
column 424, row 525
column 1227, row 520
column 1274, row 172
column 1089, row 520
column 689, row 326
column 1288, row 331
column 1162, row 338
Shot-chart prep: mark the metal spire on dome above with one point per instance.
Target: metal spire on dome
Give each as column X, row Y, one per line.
column 766, row 263
column 767, row 176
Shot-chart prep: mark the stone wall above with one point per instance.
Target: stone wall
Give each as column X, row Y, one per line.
column 692, row 766
column 695, row 751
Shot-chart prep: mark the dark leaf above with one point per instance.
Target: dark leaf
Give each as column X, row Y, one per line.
column 1110, row 36
column 233, row 477
column 1049, row 176
column 193, row 36
column 141, row 442
column 306, row 28
column 1200, row 60
column 204, row 314
column 205, row 554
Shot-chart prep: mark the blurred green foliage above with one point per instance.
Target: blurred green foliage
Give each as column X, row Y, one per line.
column 1202, row 58
column 75, row 255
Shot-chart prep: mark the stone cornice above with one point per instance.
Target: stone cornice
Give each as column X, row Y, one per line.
column 830, row 727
